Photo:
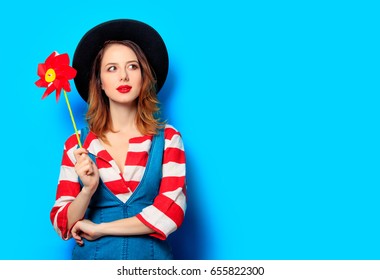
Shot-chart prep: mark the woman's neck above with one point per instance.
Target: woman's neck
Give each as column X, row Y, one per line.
column 123, row 117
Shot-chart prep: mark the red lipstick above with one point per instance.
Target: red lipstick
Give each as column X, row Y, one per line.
column 124, row 89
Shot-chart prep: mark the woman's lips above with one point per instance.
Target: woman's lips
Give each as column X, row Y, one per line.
column 124, row 89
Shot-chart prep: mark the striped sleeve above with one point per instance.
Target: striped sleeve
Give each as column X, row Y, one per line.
column 167, row 212
column 68, row 188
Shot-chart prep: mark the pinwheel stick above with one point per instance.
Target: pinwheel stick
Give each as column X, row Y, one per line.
column 72, row 118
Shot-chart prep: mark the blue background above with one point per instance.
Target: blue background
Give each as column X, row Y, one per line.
column 277, row 103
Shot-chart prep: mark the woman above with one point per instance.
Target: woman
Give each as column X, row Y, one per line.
column 123, row 192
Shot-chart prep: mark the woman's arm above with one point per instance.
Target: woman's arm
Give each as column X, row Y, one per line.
column 67, row 190
column 72, row 200
column 167, row 212
column 91, row 231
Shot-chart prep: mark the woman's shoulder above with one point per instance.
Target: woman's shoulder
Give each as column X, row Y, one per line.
column 72, row 140
column 173, row 138
column 170, row 131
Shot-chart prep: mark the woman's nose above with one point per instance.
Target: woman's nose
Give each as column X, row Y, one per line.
column 124, row 76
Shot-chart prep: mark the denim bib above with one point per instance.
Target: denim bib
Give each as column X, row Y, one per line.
column 106, row 207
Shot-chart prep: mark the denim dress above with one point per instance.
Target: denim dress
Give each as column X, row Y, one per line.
column 106, row 207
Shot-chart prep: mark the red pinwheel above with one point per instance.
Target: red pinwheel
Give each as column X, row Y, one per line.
column 55, row 74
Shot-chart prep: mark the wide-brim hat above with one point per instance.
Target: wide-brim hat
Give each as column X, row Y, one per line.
column 147, row 38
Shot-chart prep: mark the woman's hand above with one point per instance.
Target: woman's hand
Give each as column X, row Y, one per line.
column 85, row 229
column 86, row 170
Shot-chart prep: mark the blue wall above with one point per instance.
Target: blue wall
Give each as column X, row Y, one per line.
column 278, row 105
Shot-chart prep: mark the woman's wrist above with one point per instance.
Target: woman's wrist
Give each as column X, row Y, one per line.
column 102, row 229
column 88, row 191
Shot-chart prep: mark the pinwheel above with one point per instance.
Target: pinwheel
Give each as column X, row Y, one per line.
column 54, row 75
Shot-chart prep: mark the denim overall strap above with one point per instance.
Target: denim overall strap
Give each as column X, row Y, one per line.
column 83, row 134
column 148, row 188
column 106, row 207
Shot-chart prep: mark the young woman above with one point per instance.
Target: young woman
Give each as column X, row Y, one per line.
column 124, row 191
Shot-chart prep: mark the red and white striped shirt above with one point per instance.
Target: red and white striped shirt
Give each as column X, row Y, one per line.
column 166, row 213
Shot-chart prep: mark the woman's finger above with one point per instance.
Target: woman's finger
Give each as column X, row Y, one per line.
column 86, row 236
column 80, row 153
column 79, row 242
column 85, row 168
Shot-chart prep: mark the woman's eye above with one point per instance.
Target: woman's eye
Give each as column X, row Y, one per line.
column 133, row 66
column 111, row 68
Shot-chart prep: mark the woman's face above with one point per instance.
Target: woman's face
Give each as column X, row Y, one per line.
column 120, row 74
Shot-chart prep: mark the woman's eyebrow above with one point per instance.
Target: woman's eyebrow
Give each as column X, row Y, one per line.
column 115, row 63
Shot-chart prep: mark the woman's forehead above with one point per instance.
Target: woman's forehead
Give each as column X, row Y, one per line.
column 117, row 52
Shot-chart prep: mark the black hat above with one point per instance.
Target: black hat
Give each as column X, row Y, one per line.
column 138, row 32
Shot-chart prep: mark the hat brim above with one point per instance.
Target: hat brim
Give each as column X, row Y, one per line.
column 147, row 38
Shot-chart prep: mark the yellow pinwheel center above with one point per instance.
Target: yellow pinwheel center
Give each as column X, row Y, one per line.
column 50, row 75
